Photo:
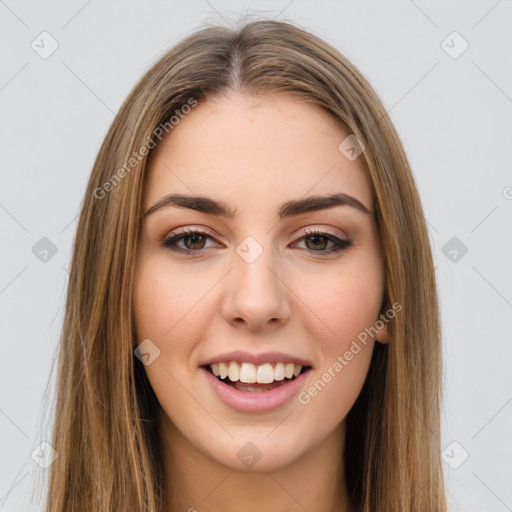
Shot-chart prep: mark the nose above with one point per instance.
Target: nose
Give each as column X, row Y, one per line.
column 256, row 294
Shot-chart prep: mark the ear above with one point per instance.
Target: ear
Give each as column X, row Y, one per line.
column 383, row 331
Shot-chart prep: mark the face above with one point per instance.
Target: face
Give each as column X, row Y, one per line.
column 259, row 284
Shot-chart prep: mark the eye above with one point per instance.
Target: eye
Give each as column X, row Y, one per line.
column 194, row 241
column 317, row 241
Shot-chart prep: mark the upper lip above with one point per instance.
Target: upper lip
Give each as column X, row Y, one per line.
column 256, row 359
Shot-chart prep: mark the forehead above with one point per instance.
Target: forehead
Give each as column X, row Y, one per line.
column 253, row 152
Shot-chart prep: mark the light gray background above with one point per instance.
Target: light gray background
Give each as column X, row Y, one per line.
column 453, row 114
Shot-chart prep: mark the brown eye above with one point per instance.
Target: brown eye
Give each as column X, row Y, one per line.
column 317, row 241
column 196, row 241
column 191, row 242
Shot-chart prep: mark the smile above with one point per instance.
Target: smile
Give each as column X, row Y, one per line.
column 247, row 387
column 248, row 373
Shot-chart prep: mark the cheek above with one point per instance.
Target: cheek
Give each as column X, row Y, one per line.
column 166, row 311
column 163, row 299
column 341, row 304
column 332, row 394
column 345, row 309
column 346, row 304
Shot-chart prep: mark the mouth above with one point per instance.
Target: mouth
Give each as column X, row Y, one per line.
column 250, row 378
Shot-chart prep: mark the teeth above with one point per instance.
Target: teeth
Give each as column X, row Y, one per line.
column 288, row 370
column 223, row 370
column 233, row 371
column 250, row 373
column 279, row 371
column 265, row 374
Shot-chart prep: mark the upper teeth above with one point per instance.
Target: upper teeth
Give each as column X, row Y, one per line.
column 248, row 372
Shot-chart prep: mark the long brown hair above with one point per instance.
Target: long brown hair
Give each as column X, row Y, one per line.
column 105, row 423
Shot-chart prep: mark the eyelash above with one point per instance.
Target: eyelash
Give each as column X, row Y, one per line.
column 170, row 242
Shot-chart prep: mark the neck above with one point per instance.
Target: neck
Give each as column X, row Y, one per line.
column 195, row 482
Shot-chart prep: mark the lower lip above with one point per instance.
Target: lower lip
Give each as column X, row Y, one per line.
column 261, row 401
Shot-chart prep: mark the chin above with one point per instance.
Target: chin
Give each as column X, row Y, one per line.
column 259, row 453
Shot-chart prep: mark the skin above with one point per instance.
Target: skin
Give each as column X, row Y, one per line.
column 295, row 298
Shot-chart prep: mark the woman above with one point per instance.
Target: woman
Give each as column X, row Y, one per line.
column 251, row 319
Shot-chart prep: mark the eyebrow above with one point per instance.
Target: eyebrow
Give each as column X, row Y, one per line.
column 288, row 209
